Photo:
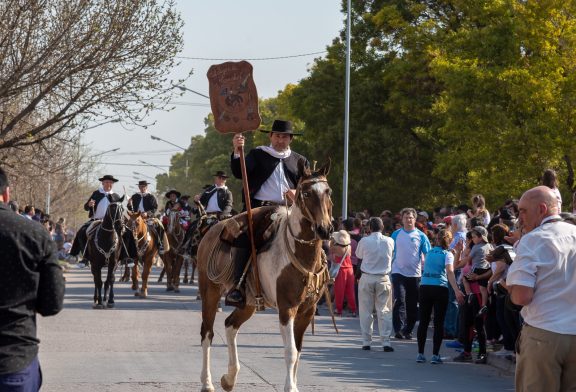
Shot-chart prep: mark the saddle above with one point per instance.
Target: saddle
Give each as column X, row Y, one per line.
column 262, row 223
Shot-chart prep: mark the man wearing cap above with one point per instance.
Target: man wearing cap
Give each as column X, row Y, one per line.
column 147, row 204
column 96, row 206
column 273, row 175
column 217, row 199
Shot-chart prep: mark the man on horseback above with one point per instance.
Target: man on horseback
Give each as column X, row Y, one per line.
column 147, row 204
column 96, row 206
column 273, row 175
column 217, row 199
column 173, row 196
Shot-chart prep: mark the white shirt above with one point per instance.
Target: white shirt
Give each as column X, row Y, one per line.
column 376, row 254
column 141, row 205
column 546, row 261
column 409, row 250
column 102, row 206
column 212, row 205
column 275, row 186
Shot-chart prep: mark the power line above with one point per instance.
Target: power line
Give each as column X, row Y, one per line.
column 253, row 59
column 125, row 164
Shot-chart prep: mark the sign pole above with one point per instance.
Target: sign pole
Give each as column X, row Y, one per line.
column 259, row 299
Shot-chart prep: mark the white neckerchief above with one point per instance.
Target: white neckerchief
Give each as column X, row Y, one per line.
column 280, row 155
column 221, row 187
column 102, row 204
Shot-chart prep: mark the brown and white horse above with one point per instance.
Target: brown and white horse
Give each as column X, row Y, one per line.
column 147, row 250
column 292, row 270
column 172, row 258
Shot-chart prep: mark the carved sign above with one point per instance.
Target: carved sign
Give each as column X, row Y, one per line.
column 233, row 97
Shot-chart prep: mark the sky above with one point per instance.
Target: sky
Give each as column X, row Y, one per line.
column 221, row 30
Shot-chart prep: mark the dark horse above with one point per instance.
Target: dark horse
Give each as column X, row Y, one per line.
column 104, row 249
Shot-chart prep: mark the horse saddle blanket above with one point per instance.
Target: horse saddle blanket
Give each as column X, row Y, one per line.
column 262, row 223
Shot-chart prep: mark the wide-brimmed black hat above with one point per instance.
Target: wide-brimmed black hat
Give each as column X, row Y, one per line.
column 173, row 191
column 220, row 173
column 185, row 197
column 281, row 126
column 143, row 182
column 107, row 177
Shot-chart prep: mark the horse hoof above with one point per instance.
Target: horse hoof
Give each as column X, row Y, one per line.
column 225, row 384
column 97, row 306
column 110, row 305
column 185, row 280
column 169, row 288
column 176, row 290
column 198, row 298
column 207, row 389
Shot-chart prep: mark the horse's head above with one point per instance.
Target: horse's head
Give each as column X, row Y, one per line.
column 313, row 198
column 135, row 222
column 114, row 214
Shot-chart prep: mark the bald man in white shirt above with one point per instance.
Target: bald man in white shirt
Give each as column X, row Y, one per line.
column 542, row 279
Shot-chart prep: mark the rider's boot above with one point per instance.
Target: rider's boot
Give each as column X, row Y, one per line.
column 235, row 296
column 160, row 234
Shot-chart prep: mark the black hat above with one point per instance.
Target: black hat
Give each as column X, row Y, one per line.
column 108, row 177
column 220, row 173
column 143, row 182
column 281, row 126
column 167, row 195
column 184, row 197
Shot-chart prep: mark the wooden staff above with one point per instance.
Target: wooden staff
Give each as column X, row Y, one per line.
column 259, row 299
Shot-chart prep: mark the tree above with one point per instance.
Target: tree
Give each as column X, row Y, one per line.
column 64, row 64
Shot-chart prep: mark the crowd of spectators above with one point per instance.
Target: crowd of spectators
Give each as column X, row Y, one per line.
column 61, row 234
column 469, row 244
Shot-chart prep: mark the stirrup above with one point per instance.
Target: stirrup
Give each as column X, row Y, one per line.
column 235, row 298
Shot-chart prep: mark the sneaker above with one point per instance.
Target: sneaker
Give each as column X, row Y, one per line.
column 503, row 352
column 366, row 348
column 398, row 335
column 454, row 344
column 463, row 357
column 482, row 359
column 420, row 358
column 436, row 360
column 388, row 349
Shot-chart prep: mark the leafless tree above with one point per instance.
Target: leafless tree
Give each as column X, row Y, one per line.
column 67, row 63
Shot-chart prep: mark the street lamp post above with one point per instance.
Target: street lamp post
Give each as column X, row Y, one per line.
column 143, row 175
column 172, row 144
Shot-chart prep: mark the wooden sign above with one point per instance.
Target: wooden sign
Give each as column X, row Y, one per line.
column 233, row 97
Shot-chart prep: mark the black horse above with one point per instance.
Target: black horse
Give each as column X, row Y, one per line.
column 105, row 248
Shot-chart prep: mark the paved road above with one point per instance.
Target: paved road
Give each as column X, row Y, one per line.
column 153, row 345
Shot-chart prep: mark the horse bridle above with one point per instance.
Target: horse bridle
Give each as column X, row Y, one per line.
column 306, row 212
column 114, row 218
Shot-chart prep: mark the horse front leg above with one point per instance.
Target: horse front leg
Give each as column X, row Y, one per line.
column 135, row 278
column 97, row 274
column 186, row 265
column 290, row 352
column 176, row 268
column 212, row 294
column 301, row 323
column 146, row 269
column 233, row 323
column 109, row 285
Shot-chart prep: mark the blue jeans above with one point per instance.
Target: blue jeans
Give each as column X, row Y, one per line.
column 451, row 320
column 28, row 379
column 405, row 310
